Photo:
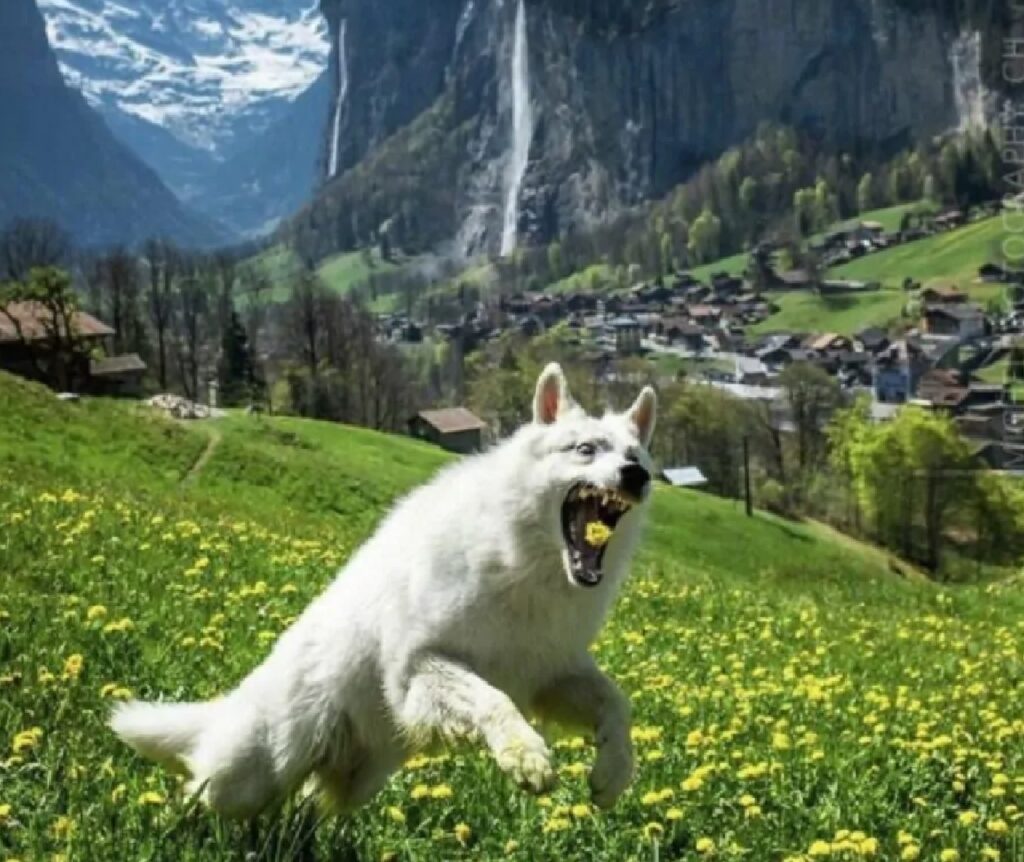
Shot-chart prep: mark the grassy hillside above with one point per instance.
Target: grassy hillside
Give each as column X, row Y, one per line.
column 950, row 258
column 340, row 273
column 793, row 697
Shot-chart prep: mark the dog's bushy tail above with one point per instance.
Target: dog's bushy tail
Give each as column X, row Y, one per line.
column 164, row 732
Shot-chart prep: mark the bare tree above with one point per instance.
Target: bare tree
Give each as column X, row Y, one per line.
column 26, row 244
column 191, row 307
column 161, row 260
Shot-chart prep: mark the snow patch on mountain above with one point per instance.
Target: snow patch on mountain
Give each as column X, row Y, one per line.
column 213, row 73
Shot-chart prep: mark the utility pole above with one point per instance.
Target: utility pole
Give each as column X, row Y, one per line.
column 746, row 476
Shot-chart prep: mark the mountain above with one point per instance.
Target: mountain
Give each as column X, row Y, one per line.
column 59, row 160
column 481, row 123
column 275, row 174
column 204, row 91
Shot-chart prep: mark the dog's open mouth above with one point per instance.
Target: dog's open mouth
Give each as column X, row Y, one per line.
column 589, row 517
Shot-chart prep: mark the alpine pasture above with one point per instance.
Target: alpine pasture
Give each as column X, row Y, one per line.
column 795, row 696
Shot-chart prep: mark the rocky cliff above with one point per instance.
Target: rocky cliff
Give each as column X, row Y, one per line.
column 622, row 100
column 59, row 160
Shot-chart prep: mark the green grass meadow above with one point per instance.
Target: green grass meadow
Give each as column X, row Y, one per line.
column 794, row 698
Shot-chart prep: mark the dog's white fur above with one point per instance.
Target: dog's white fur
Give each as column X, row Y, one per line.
column 456, row 620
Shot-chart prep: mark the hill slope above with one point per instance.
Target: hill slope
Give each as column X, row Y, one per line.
column 59, row 160
column 772, row 668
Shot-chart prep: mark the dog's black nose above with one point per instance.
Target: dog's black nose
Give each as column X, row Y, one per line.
column 634, row 479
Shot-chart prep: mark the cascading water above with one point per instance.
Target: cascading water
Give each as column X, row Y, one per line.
column 968, row 88
column 522, row 132
column 332, row 162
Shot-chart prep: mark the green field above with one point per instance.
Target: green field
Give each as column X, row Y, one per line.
column 950, row 259
column 794, row 699
column 340, row 273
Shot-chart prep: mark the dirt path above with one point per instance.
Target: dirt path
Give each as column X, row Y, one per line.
column 215, row 437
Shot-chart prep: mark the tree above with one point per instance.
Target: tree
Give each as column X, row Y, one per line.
column 54, row 307
column 161, row 260
column 114, row 283
column 235, row 371
column 910, row 476
column 705, row 237
column 812, row 395
column 27, row 244
column 866, row 193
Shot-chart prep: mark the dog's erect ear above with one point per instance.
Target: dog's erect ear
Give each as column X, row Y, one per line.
column 643, row 415
column 552, row 398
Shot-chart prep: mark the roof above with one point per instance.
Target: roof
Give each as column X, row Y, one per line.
column 113, row 366
column 685, row 477
column 452, row 420
column 35, row 318
column 957, row 312
column 824, row 342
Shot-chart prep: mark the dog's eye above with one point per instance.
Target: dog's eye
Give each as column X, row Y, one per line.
column 588, row 450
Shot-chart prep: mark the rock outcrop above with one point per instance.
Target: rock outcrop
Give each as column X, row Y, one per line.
column 626, row 99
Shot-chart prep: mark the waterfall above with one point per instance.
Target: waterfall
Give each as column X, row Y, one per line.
column 332, row 163
column 522, row 132
column 968, row 89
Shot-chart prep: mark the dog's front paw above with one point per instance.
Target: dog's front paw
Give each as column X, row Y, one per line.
column 612, row 774
column 527, row 761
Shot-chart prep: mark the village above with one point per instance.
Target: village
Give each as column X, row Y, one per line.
column 933, row 357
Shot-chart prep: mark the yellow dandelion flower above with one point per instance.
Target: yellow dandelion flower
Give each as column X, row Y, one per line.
column 442, row 791
column 420, row 791
column 580, row 810
column 997, row 826
column 463, row 833
column 653, row 830
column 62, row 827
column 949, row 855
column 910, row 852
column 511, row 846
column 151, row 797
column 598, row 534
column 73, row 666
column 705, row 846
column 396, row 814
column 820, row 848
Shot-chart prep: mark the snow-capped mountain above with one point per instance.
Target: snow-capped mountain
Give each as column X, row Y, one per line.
column 214, row 73
column 203, row 90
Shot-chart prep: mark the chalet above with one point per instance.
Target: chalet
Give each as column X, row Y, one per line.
column 454, row 429
column 581, row 302
column 705, row 315
column 960, row 320
column 684, row 477
column 680, row 331
column 117, row 375
column 841, row 286
column 830, row 342
column 793, row 279
column 942, row 295
column 724, row 285
column 994, row 273
column 628, row 335
column 897, row 370
column 27, row 333
column 950, row 219
column 871, row 339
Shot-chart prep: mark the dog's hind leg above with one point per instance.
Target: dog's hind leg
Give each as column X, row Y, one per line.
column 589, row 699
column 444, row 698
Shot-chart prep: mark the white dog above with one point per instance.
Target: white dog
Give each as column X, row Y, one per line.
column 471, row 607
